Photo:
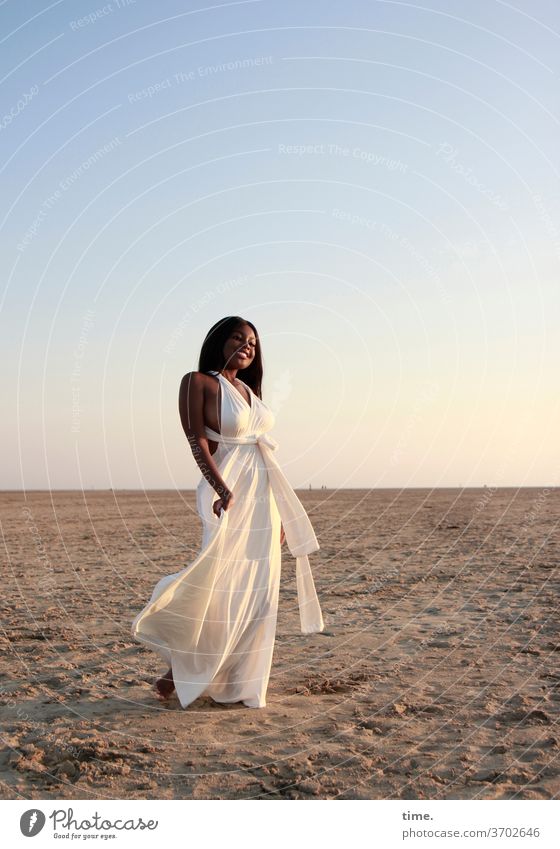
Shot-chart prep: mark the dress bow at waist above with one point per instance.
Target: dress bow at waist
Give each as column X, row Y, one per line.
column 300, row 535
column 248, row 439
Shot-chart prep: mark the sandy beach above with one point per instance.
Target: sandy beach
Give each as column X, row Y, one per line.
column 437, row 675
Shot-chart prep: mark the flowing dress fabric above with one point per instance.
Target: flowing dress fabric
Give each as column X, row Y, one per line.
column 214, row 622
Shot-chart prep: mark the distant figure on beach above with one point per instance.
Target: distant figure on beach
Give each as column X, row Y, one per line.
column 214, row 622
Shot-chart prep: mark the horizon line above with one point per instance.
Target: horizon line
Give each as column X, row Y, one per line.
column 304, row 489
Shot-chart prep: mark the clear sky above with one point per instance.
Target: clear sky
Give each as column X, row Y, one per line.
column 375, row 185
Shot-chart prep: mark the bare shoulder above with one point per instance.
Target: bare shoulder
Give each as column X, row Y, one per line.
column 192, row 384
column 196, row 383
column 196, row 379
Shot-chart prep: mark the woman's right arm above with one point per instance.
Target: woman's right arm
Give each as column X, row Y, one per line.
column 191, row 411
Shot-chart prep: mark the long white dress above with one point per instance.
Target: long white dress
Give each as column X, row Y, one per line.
column 214, row 622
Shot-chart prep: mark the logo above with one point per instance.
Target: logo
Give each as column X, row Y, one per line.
column 31, row 822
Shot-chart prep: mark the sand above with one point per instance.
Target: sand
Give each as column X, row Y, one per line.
column 437, row 676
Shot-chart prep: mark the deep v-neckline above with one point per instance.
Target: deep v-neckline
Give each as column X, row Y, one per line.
column 237, row 392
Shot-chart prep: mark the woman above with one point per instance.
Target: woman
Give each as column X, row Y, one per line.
column 214, row 622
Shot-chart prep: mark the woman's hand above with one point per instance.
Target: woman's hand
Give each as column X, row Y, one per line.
column 282, row 534
column 223, row 503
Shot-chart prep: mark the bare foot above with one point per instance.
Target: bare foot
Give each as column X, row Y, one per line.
column 164, row 686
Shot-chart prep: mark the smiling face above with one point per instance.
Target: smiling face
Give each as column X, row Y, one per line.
column 239, row 350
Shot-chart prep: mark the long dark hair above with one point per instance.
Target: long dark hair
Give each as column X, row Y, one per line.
column 212, row 352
